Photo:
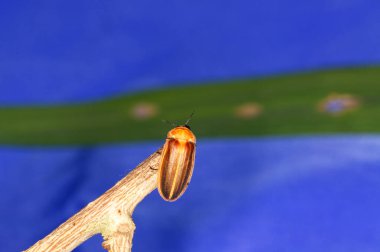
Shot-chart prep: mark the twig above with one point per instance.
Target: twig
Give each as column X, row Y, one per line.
column 110, row 214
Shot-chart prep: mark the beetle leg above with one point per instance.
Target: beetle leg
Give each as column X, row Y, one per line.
column 152, row 168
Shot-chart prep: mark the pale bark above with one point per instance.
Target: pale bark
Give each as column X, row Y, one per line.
column 110, row 214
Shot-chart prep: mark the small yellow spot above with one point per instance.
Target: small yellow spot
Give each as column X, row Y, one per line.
column 144, row 111
column 248, row 110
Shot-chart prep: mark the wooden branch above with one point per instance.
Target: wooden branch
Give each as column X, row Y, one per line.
column 110, row 214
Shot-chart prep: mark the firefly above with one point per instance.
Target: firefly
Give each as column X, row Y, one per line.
column 177, row 162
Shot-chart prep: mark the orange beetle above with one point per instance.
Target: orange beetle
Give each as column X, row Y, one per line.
column 177, row 163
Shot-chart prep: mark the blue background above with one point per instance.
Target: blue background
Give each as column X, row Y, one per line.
column 65, row 51
column 308, row 193
column 266, row 194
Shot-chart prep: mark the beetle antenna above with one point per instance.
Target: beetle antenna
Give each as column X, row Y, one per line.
column 190, row 117
column 169, row 122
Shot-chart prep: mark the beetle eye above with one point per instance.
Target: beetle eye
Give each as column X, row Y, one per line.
column 187, row 126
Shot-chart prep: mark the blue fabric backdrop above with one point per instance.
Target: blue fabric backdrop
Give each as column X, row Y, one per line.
column 64, row 51
column 284, row 194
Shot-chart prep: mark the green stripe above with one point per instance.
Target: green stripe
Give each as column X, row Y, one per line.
column 288, row 102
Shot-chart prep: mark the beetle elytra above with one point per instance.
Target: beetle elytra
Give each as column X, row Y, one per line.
column 177, row 163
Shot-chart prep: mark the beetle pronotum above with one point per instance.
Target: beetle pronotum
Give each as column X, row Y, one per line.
column 177, row 163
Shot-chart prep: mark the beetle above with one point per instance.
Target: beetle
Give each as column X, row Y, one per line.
column 177, row 162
